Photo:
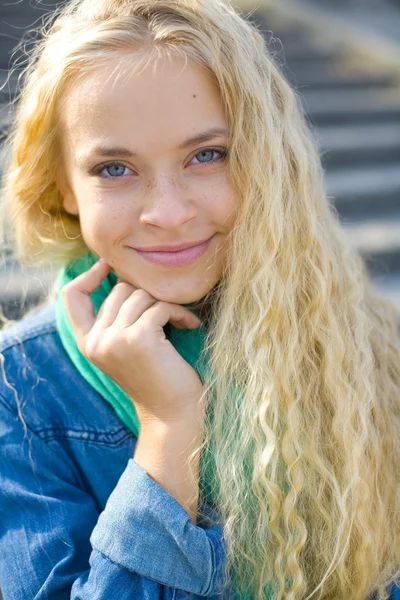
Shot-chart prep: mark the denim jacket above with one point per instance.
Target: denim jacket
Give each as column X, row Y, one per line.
column 79, row 518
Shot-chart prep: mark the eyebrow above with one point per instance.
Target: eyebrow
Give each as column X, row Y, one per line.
column 192, row 141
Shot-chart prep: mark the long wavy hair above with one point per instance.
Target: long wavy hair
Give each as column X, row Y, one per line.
column 307, row 463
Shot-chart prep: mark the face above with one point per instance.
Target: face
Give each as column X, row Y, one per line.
column 137, row 177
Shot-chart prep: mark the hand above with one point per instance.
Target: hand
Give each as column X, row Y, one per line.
column 127, row 342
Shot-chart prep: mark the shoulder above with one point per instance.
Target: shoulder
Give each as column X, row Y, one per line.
column 30, row 348
column 40, row 385
column 38, row 324
column 32, row 345
column 35, row 369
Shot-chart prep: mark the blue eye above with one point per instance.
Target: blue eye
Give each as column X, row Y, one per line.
column 208, row 151
column 113, row 170
column 116, row 170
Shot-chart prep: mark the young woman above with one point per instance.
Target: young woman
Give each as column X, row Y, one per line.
column 209, row 404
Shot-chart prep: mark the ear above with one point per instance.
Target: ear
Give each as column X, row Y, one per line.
column 69, row 201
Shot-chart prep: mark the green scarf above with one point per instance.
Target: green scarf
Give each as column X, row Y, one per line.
column 188, row 342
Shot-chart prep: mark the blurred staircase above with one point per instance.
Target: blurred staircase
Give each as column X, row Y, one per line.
column 355, row 116
column 354, row 113
column 20, row 287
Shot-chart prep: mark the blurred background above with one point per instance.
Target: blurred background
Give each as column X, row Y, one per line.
column 343, row 58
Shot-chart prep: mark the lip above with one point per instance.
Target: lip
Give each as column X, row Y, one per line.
column 179, row 258
column 172, row 247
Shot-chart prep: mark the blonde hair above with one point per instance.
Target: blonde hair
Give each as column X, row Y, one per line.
column 307, row 464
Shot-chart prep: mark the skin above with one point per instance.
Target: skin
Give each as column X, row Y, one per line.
column 164, row 194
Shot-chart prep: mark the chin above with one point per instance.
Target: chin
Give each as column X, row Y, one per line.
column 181, row 298
column 177, row 297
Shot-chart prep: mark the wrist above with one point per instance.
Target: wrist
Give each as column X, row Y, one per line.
column 163, row 450
column 187, row 428
column 189, row 418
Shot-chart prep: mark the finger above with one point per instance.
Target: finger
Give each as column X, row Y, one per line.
column 133, row 308
column 76, row 296
column 160, row 313
column 112, row 304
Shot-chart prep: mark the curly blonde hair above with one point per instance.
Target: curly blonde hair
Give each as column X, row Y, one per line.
column 307, row 464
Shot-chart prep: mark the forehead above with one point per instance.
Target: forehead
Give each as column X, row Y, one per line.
column 165, row 98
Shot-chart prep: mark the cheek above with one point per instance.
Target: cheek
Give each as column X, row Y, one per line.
column 225, row 205
column 103, row 221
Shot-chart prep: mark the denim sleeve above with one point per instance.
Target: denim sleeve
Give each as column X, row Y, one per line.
column 55, row 543
column 395, row 590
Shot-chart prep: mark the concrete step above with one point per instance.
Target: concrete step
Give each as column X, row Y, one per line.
column 390, row 286
column 268, row 26
column 311, row 57
column 23, row 288
column 364, row 192
column 8, row 86
column 25, row 12
column 373, row 205
column 2, row 158
column 16, row 19
column 345, row 145
column 378, row 241
column 330, row 78
column 6, row 117
column 339, row 107
column 364, row 182
column 11, row 52
column 375, row 236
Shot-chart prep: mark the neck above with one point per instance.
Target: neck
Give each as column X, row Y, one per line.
column 205, row 305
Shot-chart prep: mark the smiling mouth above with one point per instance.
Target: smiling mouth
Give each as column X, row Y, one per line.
column 178, row 258
column 173, row 248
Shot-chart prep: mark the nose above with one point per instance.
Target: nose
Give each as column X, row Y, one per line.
column 167, row 204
